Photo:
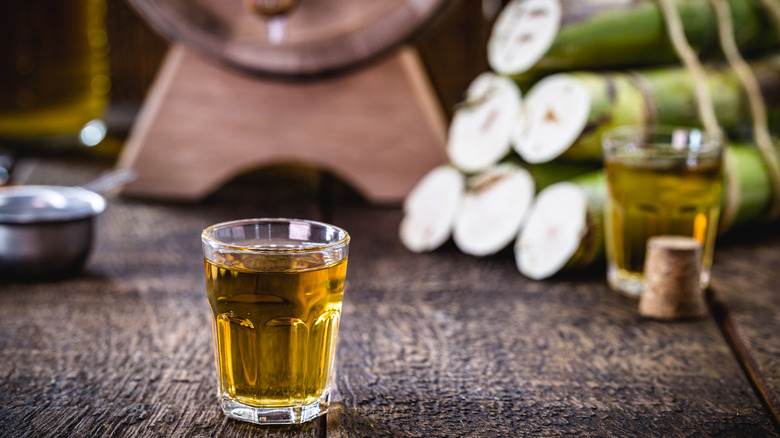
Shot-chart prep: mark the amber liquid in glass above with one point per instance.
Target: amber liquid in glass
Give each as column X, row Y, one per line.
column 651, row 199
column 275, row 331
column 54, row 75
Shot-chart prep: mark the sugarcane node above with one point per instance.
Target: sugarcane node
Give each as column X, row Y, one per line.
column 672, row 287
column 649, row 98
column 611, row 88
column 595, row 124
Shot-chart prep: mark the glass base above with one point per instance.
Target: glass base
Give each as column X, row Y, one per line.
column 275, row 415
column 626, row 282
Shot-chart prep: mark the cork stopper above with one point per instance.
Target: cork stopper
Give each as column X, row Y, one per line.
column 672, row 279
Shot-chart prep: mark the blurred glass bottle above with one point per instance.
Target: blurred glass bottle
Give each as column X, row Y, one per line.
column 54, row 79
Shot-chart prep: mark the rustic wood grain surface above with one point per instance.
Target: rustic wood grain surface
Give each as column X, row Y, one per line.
column 747, row 301
column 432, row 345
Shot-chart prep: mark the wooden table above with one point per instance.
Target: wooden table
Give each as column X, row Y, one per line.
column 432, row 345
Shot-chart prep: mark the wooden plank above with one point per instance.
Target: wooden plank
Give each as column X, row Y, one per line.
column 439, row 344
column 443, row 344
column 745, row 279
column 125, row 349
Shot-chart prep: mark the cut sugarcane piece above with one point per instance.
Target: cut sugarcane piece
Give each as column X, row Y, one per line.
column 554, row 114
column 558, row 212
column 480, row 131
column 566, row 113
column 599, row 34
column 563, row 229
column 547, row 174
column 747, row 186
column 493, row 209
column 671, row 95
column 430, row 209
column 522, row 34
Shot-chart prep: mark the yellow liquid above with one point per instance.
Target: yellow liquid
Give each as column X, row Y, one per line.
column 275, row 332
column 648, row 201
column 54, row 75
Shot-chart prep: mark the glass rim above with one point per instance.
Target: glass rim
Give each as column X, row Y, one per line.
column 208, row 239
column 632, row 137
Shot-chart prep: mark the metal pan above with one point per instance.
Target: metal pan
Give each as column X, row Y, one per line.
column 48, row 231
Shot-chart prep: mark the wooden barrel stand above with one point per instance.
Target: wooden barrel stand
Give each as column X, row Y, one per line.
column 380, row 128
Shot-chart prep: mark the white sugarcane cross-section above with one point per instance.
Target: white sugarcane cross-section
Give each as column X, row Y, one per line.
column 533, row 38
column 430, row 209
column 522, row 34
column 553, row 230
column 493, row 210
column 555, row 113
column 481, row 128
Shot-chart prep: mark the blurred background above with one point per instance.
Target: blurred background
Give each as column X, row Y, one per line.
column 73, row 62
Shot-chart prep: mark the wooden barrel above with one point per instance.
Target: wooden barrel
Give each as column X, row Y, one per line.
column 320, row 36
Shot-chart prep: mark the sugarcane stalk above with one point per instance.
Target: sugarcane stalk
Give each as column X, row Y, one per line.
column 482, row 212
column 573, row 211
column 672, row 101
column 481, row 128
column 747, row 178
column 749, row 81
column 564, row 229
column 536, row 37
column 566, row 113
column 493, row 209
column 430, row 209
column 547, row 174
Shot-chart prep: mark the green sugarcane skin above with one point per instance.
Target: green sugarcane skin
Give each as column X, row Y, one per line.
column 671, row 91
column 754, row 187
column 591, row 38
column 599, row 34
column 754, row 196
column 615, row 101
column 547, row 174
column 665, row 97
column 591, row 248
column 671, row 95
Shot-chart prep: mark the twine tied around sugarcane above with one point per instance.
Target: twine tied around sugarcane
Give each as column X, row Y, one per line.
column 704, row 100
